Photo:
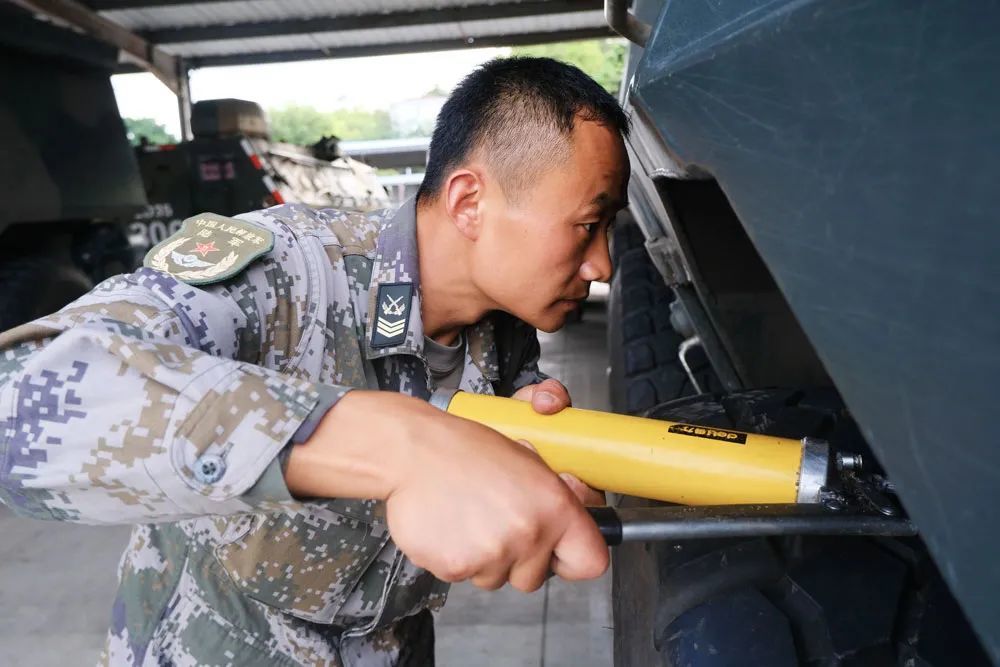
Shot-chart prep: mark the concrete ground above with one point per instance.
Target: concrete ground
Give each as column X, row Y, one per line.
column 57, row 580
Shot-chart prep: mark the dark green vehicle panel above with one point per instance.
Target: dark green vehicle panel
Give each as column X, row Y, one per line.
column 859, row 143
column 65, row 153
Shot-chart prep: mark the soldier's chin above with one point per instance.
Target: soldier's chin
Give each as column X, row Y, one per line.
column 554, row 317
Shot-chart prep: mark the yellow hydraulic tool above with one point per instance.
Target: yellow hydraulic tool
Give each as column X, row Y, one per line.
column 650, row 458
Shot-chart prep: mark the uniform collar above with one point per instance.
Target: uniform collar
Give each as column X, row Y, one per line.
column 397, row 261
column 481, row 349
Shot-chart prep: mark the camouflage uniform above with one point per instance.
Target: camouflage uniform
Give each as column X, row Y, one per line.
column 154, row 402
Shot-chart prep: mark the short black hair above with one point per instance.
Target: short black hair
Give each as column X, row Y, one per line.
column 520, row 112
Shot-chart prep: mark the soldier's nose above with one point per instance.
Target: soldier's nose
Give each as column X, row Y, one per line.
column 590, row 272
column 597, row 261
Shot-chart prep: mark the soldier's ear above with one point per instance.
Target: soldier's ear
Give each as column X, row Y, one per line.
column 463, row 200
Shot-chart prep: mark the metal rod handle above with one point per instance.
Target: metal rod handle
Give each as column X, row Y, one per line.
column 648, row 524
column 625, row 23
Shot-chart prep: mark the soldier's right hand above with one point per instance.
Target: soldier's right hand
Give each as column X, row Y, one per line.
column 462, row 501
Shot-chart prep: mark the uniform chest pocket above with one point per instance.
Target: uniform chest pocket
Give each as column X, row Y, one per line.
column 305, row 562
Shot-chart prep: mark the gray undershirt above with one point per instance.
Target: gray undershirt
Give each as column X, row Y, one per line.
column 445, row 362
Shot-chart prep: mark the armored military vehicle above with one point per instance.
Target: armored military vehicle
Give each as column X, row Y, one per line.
column 811, row 251
column 232, row 166
column 80, row 204
column 69, row 180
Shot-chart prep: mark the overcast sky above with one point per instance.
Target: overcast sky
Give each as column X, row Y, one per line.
column 372, row 83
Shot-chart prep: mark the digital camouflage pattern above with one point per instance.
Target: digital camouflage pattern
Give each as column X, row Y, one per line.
column 154, row 402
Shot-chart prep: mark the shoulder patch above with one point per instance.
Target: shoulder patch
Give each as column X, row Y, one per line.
column 392, row 315
column 209, row 248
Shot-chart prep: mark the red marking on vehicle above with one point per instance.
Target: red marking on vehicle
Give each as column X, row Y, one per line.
column 273, row 189
column 251, row 153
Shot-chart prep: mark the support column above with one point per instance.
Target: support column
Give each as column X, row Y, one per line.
column 184, row 99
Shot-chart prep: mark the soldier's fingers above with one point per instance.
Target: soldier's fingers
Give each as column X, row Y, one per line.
column 493, row 577
column 546, row 397
column 559, row 389
column 581, row 553
column 528, row 574
column 588, row 496
column 550, row 397
column 524, row 393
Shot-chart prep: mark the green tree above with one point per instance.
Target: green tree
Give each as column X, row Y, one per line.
column 298, row 124
column 304, row 125
column 136, row 128
column 602, row 59
column 361, row 124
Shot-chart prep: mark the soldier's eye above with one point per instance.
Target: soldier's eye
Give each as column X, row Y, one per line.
column 590, row 226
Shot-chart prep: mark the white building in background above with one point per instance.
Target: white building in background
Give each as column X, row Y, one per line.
column 415, row 118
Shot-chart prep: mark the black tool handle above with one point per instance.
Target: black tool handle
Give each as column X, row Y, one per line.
column 608, row 523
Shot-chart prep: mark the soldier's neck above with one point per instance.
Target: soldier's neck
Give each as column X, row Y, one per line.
column 449, row 300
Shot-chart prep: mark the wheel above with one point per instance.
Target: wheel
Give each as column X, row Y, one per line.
column 645, row 369
column 34, row 286
column 783, row 601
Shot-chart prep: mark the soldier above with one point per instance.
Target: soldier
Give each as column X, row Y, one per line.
column 254, row 398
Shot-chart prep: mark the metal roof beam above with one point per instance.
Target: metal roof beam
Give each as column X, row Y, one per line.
column 110, row 5
column 394, row 48
column 165, row 66
column 476, row 11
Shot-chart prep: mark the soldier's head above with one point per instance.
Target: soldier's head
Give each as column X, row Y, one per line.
column 528, row 161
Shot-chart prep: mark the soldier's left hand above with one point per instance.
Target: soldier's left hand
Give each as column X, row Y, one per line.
column 548, row 397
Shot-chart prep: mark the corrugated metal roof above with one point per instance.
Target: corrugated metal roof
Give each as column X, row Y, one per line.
column 247, row 31
column 465, row 30
column 249, row 11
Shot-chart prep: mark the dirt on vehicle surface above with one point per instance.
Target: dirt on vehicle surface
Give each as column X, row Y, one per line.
column 810, row 252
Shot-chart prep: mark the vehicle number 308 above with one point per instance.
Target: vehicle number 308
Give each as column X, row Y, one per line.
column 148, row 234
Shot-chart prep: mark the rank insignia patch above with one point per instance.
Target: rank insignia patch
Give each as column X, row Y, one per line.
column 209, row 248
column 392, row 314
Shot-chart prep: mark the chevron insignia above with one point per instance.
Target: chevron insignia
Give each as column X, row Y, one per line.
column 390, row 328
column 392, row 314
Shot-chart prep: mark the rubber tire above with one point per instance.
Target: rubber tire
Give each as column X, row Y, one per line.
column 644, row 367
column 783, row 601
column 34, row 286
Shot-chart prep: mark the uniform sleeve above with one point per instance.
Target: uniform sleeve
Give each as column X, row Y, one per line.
column 152, row 400
column 518, row 353
column 528, row 371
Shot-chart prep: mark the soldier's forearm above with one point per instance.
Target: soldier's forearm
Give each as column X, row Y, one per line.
column 118, row 427
column 359, row 449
